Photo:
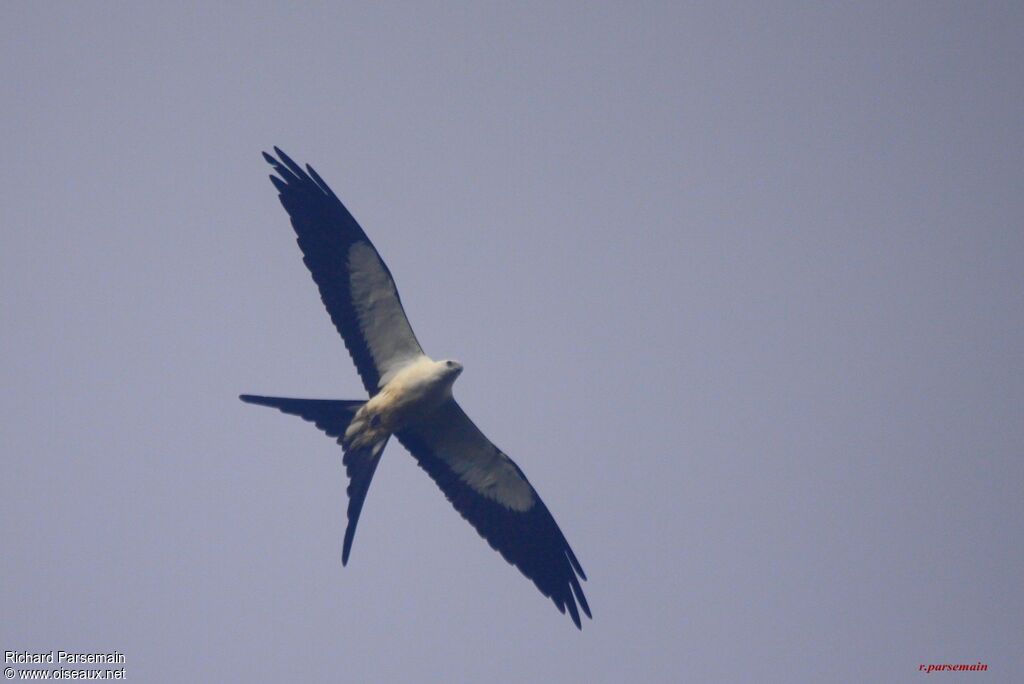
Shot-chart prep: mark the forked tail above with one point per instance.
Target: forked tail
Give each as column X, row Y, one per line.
column 333, row 417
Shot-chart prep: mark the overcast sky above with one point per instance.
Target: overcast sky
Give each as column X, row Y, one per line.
column 739, row 286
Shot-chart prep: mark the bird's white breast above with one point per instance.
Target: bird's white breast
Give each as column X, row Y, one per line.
column 415, row 390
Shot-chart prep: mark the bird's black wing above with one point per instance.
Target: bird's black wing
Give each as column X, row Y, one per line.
column 355, row 285
column 490, row 491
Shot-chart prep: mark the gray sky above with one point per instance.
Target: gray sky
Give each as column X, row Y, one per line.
column 738, row 286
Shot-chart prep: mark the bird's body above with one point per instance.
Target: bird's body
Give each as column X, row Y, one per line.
column 410, row 396
column 415, row 391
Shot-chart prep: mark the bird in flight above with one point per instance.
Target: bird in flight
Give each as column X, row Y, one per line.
column 410, row 396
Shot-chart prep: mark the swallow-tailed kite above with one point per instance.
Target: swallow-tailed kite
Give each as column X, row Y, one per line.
column 410, row 397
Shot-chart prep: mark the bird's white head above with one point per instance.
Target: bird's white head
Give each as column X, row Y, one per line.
column 450, row 369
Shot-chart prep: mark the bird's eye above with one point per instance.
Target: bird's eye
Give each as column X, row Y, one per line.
column 449, row 364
